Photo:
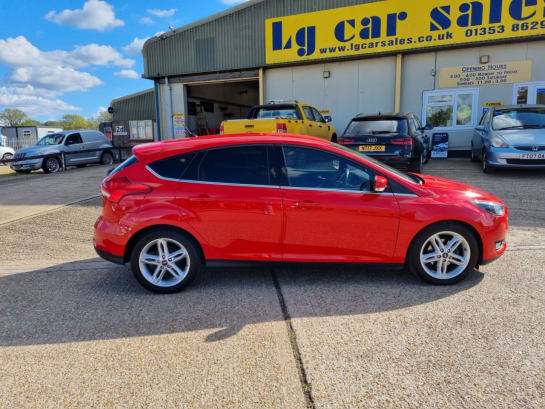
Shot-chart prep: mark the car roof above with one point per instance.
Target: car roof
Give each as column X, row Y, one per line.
column 401, row 115
column 76, row 131
column 157, row 150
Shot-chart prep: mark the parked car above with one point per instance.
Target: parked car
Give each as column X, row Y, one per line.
column 510, row 137
column 396, row 139
column 68, row 142
column 6, row 153
column 285, row 118
column 175, row 206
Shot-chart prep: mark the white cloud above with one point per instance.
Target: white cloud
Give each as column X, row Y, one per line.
column 99, row 111
column 127, row 74
column 233, row 2
column 33, row 105
column 94, row 54
column 147, row 20
column 135, row 48
column 54, row 78
column 162, row 13
column 95, row 15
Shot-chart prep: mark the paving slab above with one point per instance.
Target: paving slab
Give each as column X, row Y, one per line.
column 386, row 340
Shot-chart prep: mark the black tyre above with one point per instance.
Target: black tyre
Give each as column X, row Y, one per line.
column 474, row 157
column 7, row 156
column 165, row 261
column 334, row 138
column 107, row 158
column 427, row 156
column 51, row 165
column 417, row 165
column 487, row 168
column 443, row 253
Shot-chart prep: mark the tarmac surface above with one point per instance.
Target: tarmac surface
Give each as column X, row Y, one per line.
column 76, row 331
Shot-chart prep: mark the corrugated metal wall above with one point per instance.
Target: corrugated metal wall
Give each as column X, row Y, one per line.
column 232, row 41
column 139, row 106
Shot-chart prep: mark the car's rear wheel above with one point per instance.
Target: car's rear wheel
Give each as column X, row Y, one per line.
column 334, row 138
column 417, row 165
column 7, row 156
column 51, row 165
column 165, row 261
column 485, row 165
column 444, row 253
column 106, row 158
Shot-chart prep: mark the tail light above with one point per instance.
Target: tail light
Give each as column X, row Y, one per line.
column 345, row 141
column 222, row 129
column 116, row 189
column 281, row 128
column 402, row 141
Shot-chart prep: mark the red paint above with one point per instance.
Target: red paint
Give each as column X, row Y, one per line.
column 275, row 223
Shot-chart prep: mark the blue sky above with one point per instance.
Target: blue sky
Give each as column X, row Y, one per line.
column 75, row 56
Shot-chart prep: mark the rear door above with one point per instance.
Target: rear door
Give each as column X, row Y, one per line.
column 331, row 213
column 229, row 200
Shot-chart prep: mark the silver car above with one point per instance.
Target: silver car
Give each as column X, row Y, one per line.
column 67, row 144
column 510, row 137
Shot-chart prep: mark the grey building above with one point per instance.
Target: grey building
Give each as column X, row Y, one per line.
column 446, row 61
column 18, row 137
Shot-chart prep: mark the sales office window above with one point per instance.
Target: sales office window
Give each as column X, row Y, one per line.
column 141, row 129
column 451, row 108
column 529, row 93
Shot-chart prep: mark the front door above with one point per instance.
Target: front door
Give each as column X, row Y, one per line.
column 74, row 143
column 232, row 204
column 331, row 213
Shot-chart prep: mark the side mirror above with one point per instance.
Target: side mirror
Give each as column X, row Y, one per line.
column 480, row 128
column 328, row 119
column 428, row 127
column 380, row 185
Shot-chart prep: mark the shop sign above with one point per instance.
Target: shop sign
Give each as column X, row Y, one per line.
column 120, row 129
column 485, row 74
column 179, row 125
column 397, row 25
column 493, row 104
column 439, row 146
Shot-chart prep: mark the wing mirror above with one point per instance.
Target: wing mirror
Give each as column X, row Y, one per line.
column 428, row 127
column 380, row 185
column 328, row 119
column 480, row 128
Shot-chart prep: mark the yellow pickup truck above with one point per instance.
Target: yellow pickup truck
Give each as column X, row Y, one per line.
column 283, row 117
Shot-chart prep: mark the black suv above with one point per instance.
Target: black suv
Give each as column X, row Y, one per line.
column 396, row 139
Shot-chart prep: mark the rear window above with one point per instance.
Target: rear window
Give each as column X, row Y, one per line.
column 376, row 127
column 131, row 161
column 274, row 112
column 173, row 167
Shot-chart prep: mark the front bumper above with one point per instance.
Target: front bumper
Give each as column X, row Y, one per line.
column 33, row 164
column 514, row 158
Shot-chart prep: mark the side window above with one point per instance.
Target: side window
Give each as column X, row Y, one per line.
column 316, row 169
column 317, row 116
column 73, row 139
column 309, row 114
column 243, row 165
column 173, row 167
column 412, row 126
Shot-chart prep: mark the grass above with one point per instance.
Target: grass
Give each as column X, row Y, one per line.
column 6, row 172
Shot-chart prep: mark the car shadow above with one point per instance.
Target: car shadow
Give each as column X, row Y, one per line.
column 69, row 303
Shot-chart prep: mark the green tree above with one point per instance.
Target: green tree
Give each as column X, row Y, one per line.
column 53, row 123
column 73, row 121
column 14, row 117
column 30, row 122
column 102, row 116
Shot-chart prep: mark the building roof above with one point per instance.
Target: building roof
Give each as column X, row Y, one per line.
column 137, row 106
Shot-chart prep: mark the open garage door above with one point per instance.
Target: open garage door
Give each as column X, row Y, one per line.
column 210, row 103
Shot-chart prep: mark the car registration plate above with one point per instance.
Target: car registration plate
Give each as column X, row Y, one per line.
column 372, row 148
column 532, row 156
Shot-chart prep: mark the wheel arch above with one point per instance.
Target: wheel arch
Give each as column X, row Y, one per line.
column 160, row 227
column 468, row 226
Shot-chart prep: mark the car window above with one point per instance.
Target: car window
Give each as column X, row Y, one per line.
column 173, row 167
column 309, row 114
column 51, row 139
column 244, row 165
column 73, row 139
column 274, row 111
column 316, row 169
column 376, row 127
column 317, row 116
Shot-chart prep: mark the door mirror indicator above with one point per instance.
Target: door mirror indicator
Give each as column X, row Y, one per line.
column 380, row 185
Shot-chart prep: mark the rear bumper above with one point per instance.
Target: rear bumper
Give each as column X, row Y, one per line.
column 110, row 239
column 110, row 257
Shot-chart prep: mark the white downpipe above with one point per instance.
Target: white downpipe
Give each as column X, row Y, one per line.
column 170, row 112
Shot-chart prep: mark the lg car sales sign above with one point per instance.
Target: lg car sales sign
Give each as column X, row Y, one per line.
column 397, row 25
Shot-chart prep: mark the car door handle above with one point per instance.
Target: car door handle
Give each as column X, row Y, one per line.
column 306, row 204
column 204, row 198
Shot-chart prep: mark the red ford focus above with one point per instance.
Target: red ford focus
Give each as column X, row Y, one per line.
column 176, row 206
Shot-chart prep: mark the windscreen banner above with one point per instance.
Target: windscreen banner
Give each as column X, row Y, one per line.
column 398, row 25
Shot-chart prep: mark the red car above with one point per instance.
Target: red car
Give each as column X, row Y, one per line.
column 178, row 205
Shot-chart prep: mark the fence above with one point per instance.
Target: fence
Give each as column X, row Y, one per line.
column 19, row 142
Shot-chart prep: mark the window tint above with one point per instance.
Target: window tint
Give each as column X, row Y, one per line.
column 317, row 116
column 312, row 168
column 308, row 113
column 172, row 167
column 376, row 127
column 73, row 139
column 244, row 165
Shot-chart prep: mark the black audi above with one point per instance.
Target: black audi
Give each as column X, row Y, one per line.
column 396, row 139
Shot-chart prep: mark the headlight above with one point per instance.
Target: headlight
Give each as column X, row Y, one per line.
column 495, row 208
column 498, row 142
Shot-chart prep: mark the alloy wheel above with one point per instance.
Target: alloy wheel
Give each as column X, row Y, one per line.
column 445, row 255
column 52, row 165
column 164, row 262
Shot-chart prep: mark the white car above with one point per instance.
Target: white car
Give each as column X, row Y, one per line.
column 6, row 153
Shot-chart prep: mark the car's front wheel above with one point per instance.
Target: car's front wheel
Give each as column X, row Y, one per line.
column 444, row 253
column 107, row 158
column 487, row 168
column 51, row 165
column 165, row 261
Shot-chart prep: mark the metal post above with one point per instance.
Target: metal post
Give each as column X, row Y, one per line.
column 119, row 158
column 63, row 162
column 170, row 109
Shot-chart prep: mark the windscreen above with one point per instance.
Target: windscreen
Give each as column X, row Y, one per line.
column 52, row 139
column 519, row 118
column 376, row 127
column 274, row 112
